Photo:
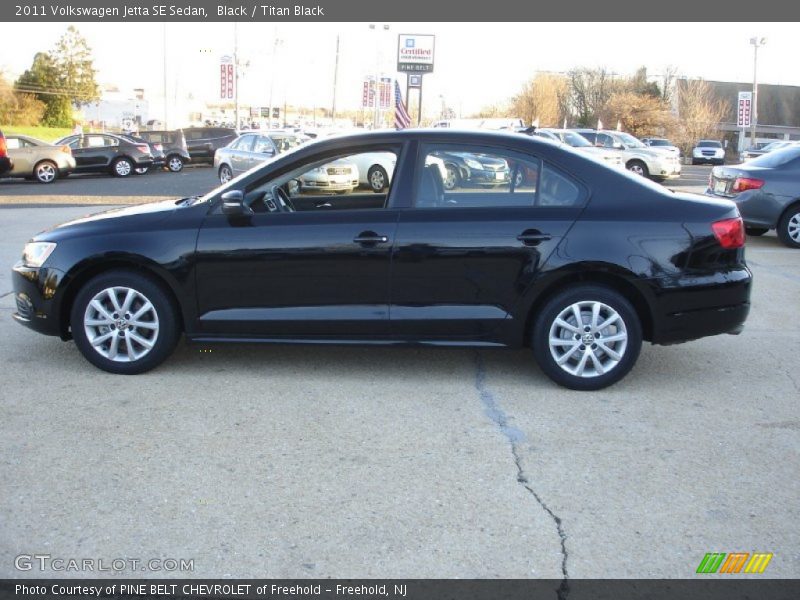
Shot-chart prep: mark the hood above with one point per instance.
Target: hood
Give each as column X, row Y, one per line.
column 113, row 219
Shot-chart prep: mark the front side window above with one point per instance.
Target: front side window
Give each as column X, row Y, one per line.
column 263, row 145
column 244, row 143
column 464, row 177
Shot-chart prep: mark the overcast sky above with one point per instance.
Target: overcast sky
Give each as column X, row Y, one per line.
column 476, row 64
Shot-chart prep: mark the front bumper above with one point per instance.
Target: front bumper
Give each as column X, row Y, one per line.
column 666, row 169
column 37, row 294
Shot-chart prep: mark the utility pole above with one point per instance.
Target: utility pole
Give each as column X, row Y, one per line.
column 275, row 45
column 335, row 81
column 757, row 43
column 166, row 113
column 236, row 75
column 376, row 96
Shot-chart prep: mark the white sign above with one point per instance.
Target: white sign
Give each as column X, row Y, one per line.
column 744, row 112
column 415, row 53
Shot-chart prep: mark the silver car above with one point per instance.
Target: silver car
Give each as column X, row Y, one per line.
column 38, row 160
column 250, row 150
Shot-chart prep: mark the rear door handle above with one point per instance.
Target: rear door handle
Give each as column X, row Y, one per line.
column 370, row 237
column 533, row 237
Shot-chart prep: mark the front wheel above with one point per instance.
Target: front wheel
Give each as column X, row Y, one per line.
column 124, row 323
column 141, row 170
column 175, row 164
column 638, row 167
column 122, row 167
column 452, row 177
column 587, row 337
column 789, row 227
column 225, row 174
column 45, row 172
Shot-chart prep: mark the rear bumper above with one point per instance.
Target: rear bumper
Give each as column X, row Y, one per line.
column 703, row 306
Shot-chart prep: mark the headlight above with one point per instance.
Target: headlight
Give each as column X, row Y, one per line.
column 35, row 253
column 473, row 164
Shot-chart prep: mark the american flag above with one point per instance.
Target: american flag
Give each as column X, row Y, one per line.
column 401, row 116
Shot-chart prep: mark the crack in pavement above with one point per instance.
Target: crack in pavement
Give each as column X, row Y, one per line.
column 514, row 436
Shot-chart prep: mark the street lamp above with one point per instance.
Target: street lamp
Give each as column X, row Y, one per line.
column 756, row 42
column 376, row 96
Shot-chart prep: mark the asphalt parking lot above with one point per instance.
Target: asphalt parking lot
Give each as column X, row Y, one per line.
column 350, row 462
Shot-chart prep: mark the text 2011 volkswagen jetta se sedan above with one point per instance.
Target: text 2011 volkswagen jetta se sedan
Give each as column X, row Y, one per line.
column 579, row 261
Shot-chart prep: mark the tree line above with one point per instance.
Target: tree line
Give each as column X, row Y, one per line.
column 680, row 109
column 56, row 81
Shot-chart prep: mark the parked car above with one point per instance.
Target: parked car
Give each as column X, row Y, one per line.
column 708, row 151
column 38, row 160
column 5, row 160
column 610, row 156
column 582, row 269
column 473, row 169
column 766, row 191
column 107, row 153
column 156, row 150
column 639, row 158
column 662, row 144
column 339, row 176
column 374, row 168
column 203, row 142
column 250, row 150
column 173, row 144
column 762, row 149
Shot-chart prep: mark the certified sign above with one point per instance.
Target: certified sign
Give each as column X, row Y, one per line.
column 415, row 53
column 745, row 108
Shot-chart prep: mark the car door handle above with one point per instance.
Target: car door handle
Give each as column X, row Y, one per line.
column 370, row 237
column 533, row 237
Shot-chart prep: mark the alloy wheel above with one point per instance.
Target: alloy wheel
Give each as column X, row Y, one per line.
column 793, row 228
column 122, row 168
column 46, row 172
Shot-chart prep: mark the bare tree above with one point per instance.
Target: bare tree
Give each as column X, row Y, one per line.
column 668, row 78
column 589, row 90
column 639, row 114
column 700, row 112
column 542, row 99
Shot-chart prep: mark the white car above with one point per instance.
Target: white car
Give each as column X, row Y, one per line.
column 340, row 176
column 374, row 169
column 663, row 145
column 609, row 156
column 639, row 158
column 708, row 151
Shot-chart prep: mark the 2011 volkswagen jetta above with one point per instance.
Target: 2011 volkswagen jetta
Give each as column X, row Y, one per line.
column 579, row 261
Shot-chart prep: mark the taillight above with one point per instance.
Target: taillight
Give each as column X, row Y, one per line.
column 742, row 184
column 3, row 147
column 729, row 232
column 143, row 148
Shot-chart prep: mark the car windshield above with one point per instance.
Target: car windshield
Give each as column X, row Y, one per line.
column 774, row 145
column 777, row 158
column 708, row 144
column 575, row 140
column 629, row 140
column 660, row 143
column 286, row 142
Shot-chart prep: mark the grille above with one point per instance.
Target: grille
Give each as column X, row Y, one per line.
column 338, row 170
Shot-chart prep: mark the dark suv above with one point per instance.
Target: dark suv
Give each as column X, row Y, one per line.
column 173, row 145
column 202, row 142
column 107, row 153
column 5, row 161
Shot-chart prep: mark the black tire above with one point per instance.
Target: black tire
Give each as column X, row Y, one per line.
column 755, row 231
column 377, row 178
column 45, row 171
column 122, row 167
column 166, row 318
column 609, row 299
column 453, row 179
column 175, row 163
column 141, row 170
column 225, row 174
column 789, row 227
column 638, row 167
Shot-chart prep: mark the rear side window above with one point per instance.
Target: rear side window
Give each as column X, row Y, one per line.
column 477, row 177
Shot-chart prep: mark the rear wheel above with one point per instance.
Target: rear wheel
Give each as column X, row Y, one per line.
column 453, row 178
column 225, row 174
column 587, row 337
column 122, row 167
column 378, row 180
column 124, row 323
column 141, row 170
column 789, row 227
column 45, row 171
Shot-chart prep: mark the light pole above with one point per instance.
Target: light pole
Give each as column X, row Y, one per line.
column 756, row 42
column 374, row 27
column 275, row 45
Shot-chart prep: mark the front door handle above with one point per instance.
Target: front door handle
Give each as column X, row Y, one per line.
column 370, row 237
column 533, row 237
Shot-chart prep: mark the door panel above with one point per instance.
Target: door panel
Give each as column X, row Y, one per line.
column 295, row 275
column 459, row 272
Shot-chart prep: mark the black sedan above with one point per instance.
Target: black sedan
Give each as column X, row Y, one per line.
column 473, row 169
column 582, row 263
column 107, row 153
column 767, row 192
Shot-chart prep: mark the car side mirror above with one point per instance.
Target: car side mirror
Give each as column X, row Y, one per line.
column 233, row 204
